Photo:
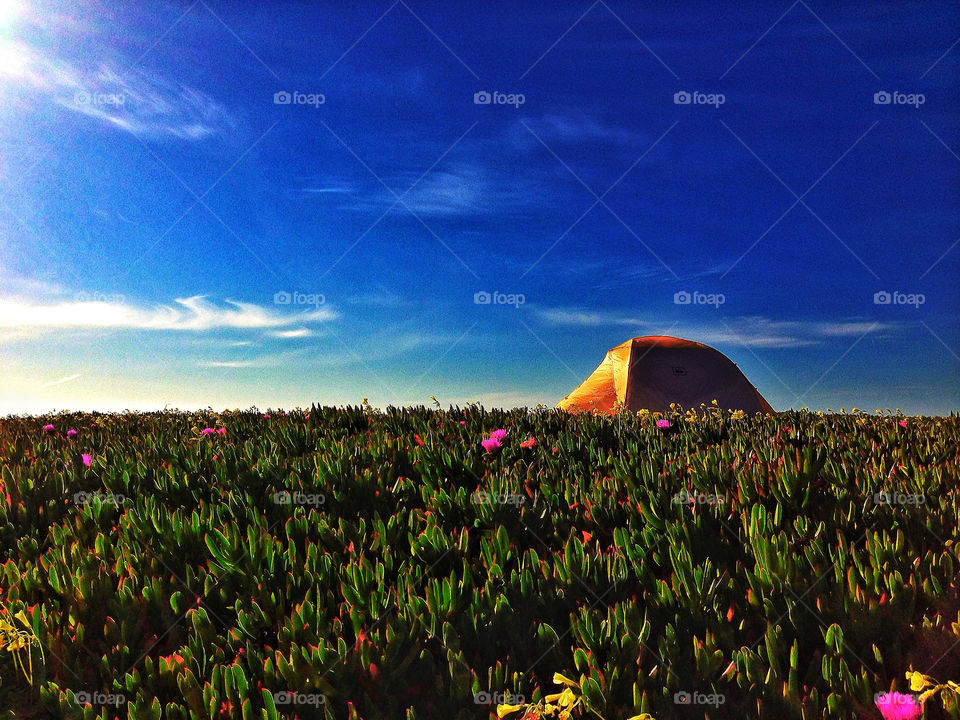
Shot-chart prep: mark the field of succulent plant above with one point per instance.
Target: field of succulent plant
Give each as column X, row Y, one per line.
column 417, row 563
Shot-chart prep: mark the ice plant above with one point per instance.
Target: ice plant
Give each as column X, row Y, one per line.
column 663, row 423
column 528, row 443
column 903, row 423
column 207, row 431
column 71, row 433
column 87, row 459
column 221, row 431
column 498, row 435
column 49, row 429
column 490, row 444
column 898, row 706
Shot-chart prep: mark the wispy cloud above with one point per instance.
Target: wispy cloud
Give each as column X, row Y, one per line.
column 134, row 100
column 61, row 381
column 187, row 314
column 296, row 333
column 751, row 331
column 574, row 127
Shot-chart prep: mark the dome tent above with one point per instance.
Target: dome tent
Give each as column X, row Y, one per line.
column 654, row 371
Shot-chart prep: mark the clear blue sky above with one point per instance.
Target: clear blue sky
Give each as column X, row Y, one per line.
column 158, row 197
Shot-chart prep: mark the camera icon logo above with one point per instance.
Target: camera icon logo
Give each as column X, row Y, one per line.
column 82, row 697
column 881, row 98
column 281, row 98
column 481, row 98
column 283, row 697
column 282, row 498
column 881, row 298
column 681, row 98
column 481, row 298
column 681, row 298
column 682, row 698
column 281, row 298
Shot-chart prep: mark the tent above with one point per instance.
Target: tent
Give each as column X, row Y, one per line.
column 652, row 372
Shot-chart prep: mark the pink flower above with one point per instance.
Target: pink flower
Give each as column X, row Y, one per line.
column 49, row 429
column 490, row 444
column 71, row 433
column 87, row 459
column 221, row 431
column 898, row 706
column 463, row 422
column 207, row 431
column 528, row 443
column 903, row 423
column 267, row 415
column 498, row 435
column 663, row 423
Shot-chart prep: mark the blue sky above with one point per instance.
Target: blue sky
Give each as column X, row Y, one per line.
column 160, row 202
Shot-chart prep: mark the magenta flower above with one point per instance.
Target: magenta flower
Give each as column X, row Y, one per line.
column 221, row 431
column 898, row 706
column 903, row 423
column 490, row 444
column 71, row 433
column 463, row 422
column 87, row 459
column 498, row 435
column 49, row 429
column 663, row 423
column 207, row 431
column 267, row 415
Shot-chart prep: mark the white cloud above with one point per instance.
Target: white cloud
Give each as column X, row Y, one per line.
column 228, row 364
column 61, row 381
column 751, row 331
column 188, row 314
column 146, row 104
column 297, row 333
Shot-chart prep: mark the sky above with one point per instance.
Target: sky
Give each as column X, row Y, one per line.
column 274, row 204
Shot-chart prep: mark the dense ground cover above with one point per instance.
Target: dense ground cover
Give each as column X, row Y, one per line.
column 372, row 564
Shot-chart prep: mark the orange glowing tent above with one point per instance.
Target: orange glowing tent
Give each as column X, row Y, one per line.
column 652, row 372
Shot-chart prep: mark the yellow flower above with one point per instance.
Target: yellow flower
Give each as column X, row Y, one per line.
column 567, row 699
column 917, row 681
column 507, row 709
column 563, row 680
